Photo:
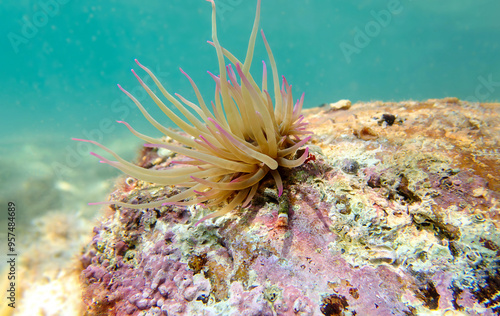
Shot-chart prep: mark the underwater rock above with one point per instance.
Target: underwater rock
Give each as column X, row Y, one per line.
column 401, row 223
column 47, row 274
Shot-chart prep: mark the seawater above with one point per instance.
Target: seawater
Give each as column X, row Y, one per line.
column 61, row 61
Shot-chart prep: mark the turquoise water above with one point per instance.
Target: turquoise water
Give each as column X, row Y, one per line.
column 61, row 61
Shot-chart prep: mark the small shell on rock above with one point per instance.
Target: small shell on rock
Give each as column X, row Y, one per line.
column 164, row 153
column 350, row 166
column 339, row 105
column 478, row 218
column 382, row 254
column 282, row 220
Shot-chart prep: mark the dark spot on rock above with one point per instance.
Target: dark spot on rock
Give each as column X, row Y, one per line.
column 412, row 311
column 446, row 183
column 388, row 118
column 403, row 190
column 456, row 292
column 333, row 305
column 169, row 238
column 300, row 152
column 448, row 231
column 204, row 298
column 440, row 229
column 488, row 244
column 488, row 293
column 453, row 249
column 350, row 166
column 196, row 263
column 354, row 293
column 374, row 181
column 428, row 294
column 120, row 248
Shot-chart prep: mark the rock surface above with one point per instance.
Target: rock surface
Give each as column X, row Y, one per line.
column 395, row 213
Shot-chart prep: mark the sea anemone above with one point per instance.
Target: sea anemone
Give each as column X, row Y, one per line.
column 231, row 148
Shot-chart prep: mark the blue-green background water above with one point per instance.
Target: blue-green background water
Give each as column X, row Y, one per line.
column 61, row 61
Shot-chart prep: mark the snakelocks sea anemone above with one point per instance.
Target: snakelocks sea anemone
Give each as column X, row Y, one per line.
column 231, row 147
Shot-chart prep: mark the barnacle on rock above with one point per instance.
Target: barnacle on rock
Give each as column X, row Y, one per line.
column 232, row 147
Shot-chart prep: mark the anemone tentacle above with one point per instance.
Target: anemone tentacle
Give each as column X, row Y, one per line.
column 228, row 149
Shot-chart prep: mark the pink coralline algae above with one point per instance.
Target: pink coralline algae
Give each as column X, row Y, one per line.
column 159, row 284
column 387, row 219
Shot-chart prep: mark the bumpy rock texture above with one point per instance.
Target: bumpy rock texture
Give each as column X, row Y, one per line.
column 395, row 213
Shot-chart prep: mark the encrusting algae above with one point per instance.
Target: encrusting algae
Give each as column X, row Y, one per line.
column 400, row 223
